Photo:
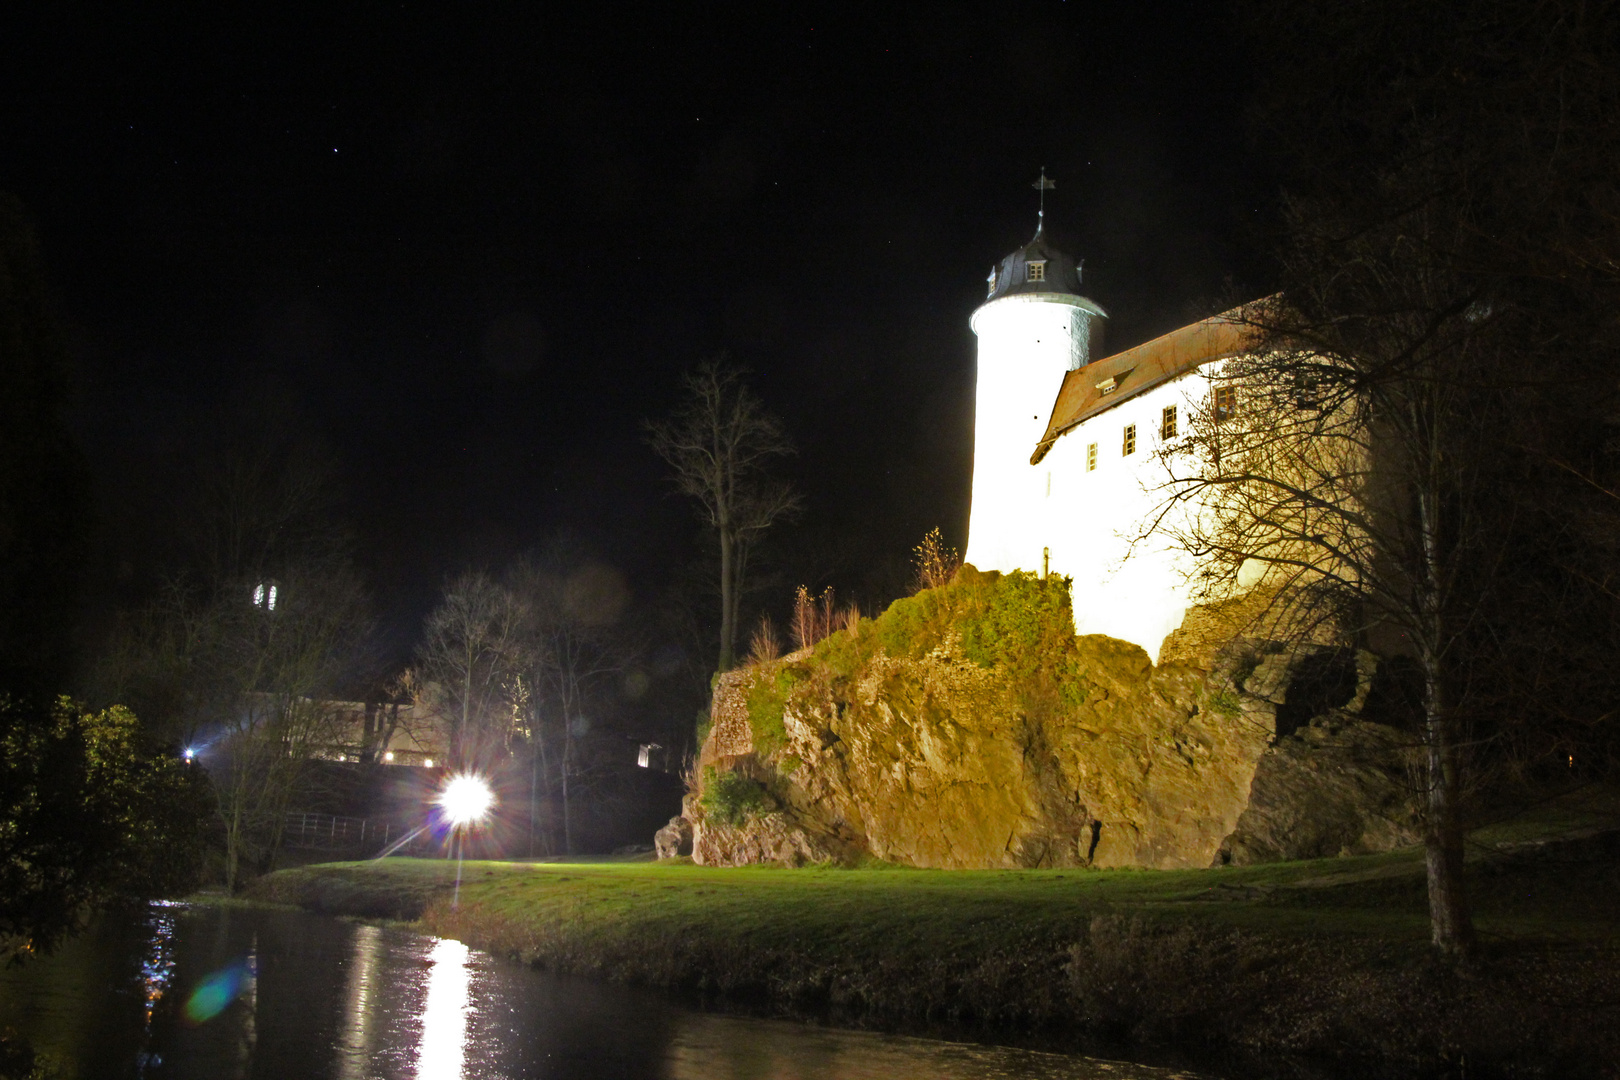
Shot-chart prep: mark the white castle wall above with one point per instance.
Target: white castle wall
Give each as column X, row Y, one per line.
column 1125, row 585
column 1026, row 344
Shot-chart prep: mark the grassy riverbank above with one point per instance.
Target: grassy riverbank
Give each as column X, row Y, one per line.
column 1317, row 958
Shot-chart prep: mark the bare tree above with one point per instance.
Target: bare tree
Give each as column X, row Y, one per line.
column 1342, row 472
column 1448, row 269
column 469, row 653
column 721, row 443
column 570, row 648
column 237, row 654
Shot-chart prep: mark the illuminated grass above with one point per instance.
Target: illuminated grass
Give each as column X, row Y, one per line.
column 1328, row 956
column 892, row 908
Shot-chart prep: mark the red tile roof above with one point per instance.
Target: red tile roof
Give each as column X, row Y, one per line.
column 1114, row 380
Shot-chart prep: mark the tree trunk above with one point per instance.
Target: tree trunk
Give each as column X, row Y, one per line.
column 540, row 785
column 459, row 750
column 728, row 603
column 1451, row 928
column 567, row 766
column 534, row 793
column 233, row 852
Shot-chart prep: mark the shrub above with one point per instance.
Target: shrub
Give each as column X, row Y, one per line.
column 935, row 565
column 915, row 625
column 1023, row 624
column 765, row 646
column 730, row 798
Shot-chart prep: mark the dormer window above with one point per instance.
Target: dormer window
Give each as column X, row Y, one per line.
column 992, row 291
column 1035, row 271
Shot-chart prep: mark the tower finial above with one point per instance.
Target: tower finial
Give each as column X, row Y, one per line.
column 1043, row 185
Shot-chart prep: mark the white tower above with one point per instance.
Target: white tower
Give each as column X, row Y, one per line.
column 1034, row 328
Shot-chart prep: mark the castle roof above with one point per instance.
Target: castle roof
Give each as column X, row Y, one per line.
column 1114, row 380
column 1059, row 272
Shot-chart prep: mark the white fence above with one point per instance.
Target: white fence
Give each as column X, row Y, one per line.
column 329, row 832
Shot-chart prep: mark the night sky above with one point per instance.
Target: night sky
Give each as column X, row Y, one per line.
column 472, row 249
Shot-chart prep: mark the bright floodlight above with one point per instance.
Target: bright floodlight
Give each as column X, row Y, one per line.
column 466, row 799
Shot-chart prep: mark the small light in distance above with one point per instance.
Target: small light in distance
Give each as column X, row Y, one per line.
column 466, row 799
column 389, row 756
column 427, row 763
column 190, row 753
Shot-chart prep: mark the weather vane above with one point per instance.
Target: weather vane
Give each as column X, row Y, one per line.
column 1043, row 185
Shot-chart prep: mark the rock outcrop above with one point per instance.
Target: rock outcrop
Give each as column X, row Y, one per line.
column 674, row 839
column 1337, row 786
column 968, row 727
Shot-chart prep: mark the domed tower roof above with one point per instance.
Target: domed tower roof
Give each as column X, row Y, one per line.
column 1037, row 267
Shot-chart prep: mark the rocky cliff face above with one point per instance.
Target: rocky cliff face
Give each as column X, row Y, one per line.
column 969, row 727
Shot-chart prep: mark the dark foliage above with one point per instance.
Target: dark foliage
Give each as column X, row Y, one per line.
column 1452, row 252
column 90, row 817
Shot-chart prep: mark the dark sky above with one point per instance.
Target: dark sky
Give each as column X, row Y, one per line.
column 473, row 248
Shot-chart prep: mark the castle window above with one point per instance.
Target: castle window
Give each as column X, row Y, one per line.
column 1035, row 271
column 1129, row 446
column 1091, row 458
column 1225, row 403
column 1167, row 425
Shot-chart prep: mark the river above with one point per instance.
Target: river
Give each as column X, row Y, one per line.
column 227, row 992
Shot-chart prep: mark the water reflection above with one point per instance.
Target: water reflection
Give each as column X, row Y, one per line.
column 359, row 1005
column 157, row 971
column 157, row 967
column 325, row 998
column 443, row 1047
column 709, row 1047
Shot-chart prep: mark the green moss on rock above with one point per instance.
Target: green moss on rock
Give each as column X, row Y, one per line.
column 730, row 798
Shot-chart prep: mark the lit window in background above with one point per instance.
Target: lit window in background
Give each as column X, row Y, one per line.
column 1128, row 447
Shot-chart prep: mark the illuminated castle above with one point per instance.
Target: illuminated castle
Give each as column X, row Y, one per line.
column 1065, row 477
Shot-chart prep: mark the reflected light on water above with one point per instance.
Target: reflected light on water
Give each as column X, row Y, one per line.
column 443, row 1048
column 157, row 967
column 359, row 1006
column 717, row 1047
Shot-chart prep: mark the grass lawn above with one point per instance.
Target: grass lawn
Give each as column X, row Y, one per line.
column 1522, row 888
column 1300, row 956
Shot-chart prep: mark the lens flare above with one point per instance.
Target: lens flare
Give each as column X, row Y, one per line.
column 466, row 799
column 217, row 991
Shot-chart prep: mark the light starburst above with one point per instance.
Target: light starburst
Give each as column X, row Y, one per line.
column 466, row 799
